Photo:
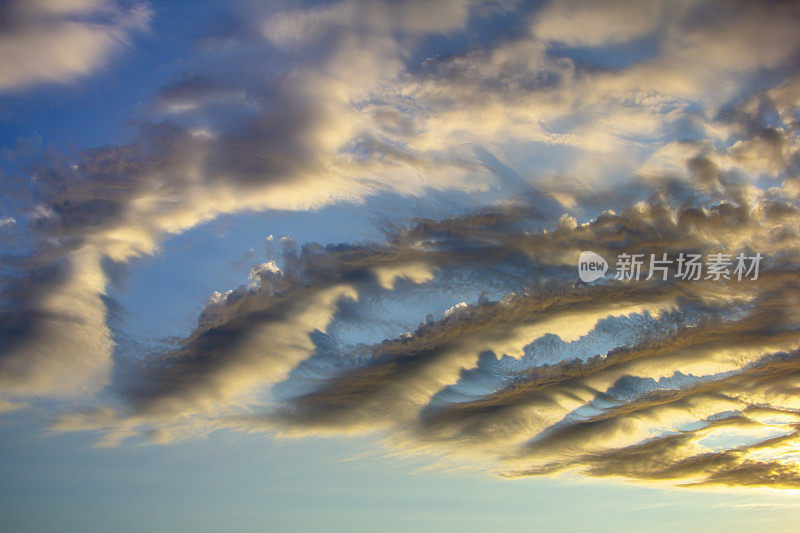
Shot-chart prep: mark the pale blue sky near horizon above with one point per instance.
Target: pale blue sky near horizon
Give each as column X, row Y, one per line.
column 251, row 482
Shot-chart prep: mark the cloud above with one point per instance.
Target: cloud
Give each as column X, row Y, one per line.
column 584, row 23
column 265, row 144
column 469, row 335
column 48, row 41
column 6, row 406
column 291, row 28
column 502, row 380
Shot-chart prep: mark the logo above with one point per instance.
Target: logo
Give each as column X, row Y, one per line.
column 591, row 266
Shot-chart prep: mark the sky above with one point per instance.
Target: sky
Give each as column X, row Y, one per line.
column 453, row 265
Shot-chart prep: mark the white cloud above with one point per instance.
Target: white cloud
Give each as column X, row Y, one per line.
column 51, row 41
column 591, row 23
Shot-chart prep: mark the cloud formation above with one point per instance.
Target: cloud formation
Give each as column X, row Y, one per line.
column 468, row 336
column 554, row 375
